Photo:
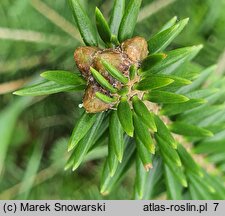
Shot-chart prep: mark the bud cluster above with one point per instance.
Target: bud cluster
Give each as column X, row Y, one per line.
column 92, row 61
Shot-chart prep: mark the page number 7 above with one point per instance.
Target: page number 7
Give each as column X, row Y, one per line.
column 216, row 205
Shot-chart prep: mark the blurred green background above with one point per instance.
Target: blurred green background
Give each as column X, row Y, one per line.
column 38, row 35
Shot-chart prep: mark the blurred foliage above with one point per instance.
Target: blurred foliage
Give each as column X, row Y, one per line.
column 32, row 141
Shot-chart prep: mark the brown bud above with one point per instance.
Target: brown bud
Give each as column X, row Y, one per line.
column 131, row 51
column 83, row 57
column 117, row 59
column 136, row 48
column 91, row 103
